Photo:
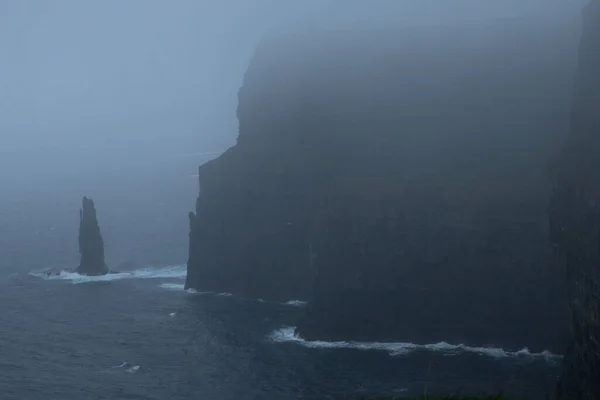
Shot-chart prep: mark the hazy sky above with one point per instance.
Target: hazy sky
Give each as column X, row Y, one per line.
column 105, row 98
column 121, row 80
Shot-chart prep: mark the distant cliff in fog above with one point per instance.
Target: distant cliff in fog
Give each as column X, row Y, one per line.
column 397, row 180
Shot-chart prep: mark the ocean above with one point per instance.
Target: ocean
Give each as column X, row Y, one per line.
column 139, row 335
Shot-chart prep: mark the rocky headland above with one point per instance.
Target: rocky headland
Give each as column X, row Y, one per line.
column 397, row 180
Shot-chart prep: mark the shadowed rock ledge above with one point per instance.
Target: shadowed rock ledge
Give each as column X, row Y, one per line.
column 91, row 244
column 574, row 215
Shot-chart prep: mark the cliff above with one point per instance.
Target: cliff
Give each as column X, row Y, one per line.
column 91, row 245
column 397, row 179
column 574, row 215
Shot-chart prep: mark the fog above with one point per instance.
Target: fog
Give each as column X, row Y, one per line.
column 121, row 100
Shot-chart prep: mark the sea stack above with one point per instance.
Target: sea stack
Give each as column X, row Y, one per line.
column 91, row 245
column 574, row 216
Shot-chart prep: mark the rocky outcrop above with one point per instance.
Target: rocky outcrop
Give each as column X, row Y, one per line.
column 574, row 215
column 397, row 179
column 91, row 244
column 262, row 233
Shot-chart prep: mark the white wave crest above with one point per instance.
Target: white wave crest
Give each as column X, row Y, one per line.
column 179, row 286
column 172, row 286
column 168, row 272
column 296, row 303
column 129, row 368
column 288, row 334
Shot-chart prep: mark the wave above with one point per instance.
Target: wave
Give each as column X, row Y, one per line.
column 296, row 303
column 288, row 334
column 169, row 272
column 129, row 368
column 172, row 286
column 181, row 287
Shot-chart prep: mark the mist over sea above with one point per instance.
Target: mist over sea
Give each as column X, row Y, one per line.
column 121, row 101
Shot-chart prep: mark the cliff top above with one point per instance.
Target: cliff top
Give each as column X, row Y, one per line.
column 528, row 28
column 335, row 77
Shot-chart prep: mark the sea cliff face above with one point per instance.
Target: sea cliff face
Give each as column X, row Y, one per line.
column 574, row 215
column 249, row 235
column 396, row 179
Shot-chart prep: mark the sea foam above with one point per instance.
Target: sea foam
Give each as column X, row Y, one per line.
column 296, row 303
column 168, row 272
column 181, row 287
column 172, row 286
column 288, row 335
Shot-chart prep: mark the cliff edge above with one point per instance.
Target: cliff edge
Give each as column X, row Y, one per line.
column 91, row 244
column 574, row 215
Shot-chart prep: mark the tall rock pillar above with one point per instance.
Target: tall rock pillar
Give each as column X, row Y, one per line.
column 91, row 244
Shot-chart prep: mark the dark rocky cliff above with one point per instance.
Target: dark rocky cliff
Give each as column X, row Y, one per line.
column 91, row 245
column 398, row 179
column 574, row 215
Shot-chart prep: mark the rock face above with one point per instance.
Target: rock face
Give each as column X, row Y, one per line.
column 574, row 215
column 397, row 180
column 91, row 245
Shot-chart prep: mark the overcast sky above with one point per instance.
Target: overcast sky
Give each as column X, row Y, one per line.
column 123, row 80
column 121, row 100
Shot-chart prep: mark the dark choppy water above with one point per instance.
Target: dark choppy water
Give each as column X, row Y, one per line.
column 140, row 336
